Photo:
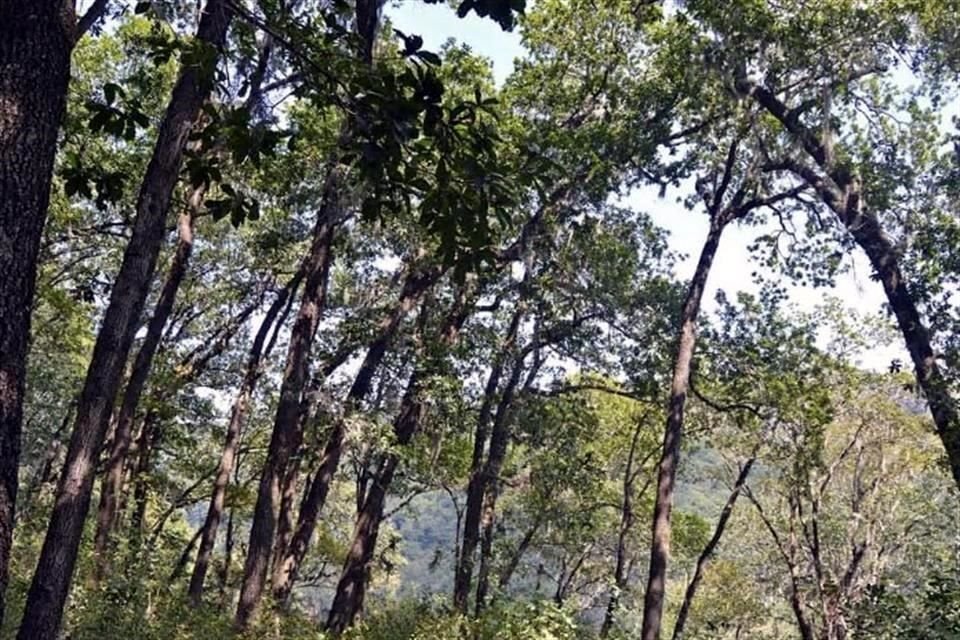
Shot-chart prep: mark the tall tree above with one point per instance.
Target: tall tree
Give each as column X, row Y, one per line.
column 51, row 580
column 736, row 191
column 36, row 40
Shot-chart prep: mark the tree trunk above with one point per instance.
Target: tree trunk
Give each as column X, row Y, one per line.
column 514, row 562
column 711, row 547
column 286, row 436
column 286, row 520
column 351, row 589
column 35, row 43
column 149, row 436
column 258, row 352
column 227, row 557
column 51, row 581
column 414, row 286
column 474, row 504
column 112, row 483
column 626, row 525
column 841, row 191
column 499, row 442
column 667, row 472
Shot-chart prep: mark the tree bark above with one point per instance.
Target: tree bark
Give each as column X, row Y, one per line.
column 112, row 483
column 514, row 562
column 51, row 581
column 351, row 588
column 416, row 283
column 36, row 39
column 286, row 436
column 259, row 350
column 146, row 441
column 497, row 454
column 841, row 190
column 711, row 547
column 667, row 471
column 474, row 504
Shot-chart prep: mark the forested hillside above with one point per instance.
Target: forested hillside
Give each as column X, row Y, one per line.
column 309, row 330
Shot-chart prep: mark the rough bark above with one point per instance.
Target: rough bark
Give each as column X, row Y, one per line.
column 711, row 547
column 285, row 437
column 259, row 350
column 348, row 600
column 667, row 470
column 36, row 38
column 416, row 283
column 51, row 581
column 841, row 190
column 112, row 483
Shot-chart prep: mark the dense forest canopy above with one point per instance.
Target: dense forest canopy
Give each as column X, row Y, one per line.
column 310, row 330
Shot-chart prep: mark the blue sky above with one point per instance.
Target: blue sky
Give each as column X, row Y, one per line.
column 438, row 23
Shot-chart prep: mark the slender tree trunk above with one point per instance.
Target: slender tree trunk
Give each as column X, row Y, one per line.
column 45, row 474
column 227, row 556
column 351, row 588
column 348, row 601
column 514, row 562
column 842, row 192
column 474, row 504
column 51, row 581
column 112, row 484
column 36, row 38
column 149, row 436
column 499, row 442
column 184, row 558
column 258, row 352
column 286, row 572
column 626, row 525
column 285, row 438
column 711, row 547
column 667, row 472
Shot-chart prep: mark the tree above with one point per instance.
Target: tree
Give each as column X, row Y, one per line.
column 34, row 75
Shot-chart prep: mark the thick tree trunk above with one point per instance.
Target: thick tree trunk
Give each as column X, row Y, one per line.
column 112, row 483
column 711, row 547
column 286, row 436
column 36, row 38
column 667, row 471
column 286, row 520
column 286, row 572
column 51, row 581
column 259, row 350
column 474, row 504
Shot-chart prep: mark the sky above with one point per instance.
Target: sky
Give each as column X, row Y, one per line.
column 733, row 266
